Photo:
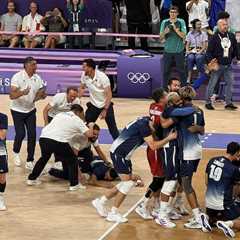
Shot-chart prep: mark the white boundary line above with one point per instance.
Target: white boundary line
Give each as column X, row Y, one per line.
column 116, row 224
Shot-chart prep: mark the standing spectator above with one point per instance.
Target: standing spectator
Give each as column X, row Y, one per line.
column 54, row 22
column 138, row 19
column 223, row 47
column 226, row 16
column 198, row 9
column 100, row 104
column 173, row 30
column 27, row 87
column 3, row 158
column 196, row 46
column 31, row 23
column 74, row 11
column 10, row 22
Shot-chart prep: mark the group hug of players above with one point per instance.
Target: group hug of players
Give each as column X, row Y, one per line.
column 172, row 134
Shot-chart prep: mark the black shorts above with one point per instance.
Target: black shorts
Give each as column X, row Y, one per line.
column 3, row 164
column 230, row 213
column 170, row 158
column 188, row 167
column 121, row 165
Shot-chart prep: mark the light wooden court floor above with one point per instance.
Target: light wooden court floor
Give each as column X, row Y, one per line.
column 49, row 211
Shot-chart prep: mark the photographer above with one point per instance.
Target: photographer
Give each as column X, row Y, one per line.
column 54, row 22
column 197, row 41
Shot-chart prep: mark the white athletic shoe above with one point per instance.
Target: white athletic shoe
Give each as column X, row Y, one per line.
column 226, row 229
column 174, row 215
column 17, row 159
column 77, row 187
column 155, row 212
column 100, row 207
column 116, row 217
column 203, row 221
column 143, row 212
column 165, row 222
column 33, row 182
column 29, row 165
column 192, row 224
column 2, row 204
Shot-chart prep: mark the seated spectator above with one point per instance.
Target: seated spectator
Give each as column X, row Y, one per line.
column 10, row 22
column 197, row 41
column 31, row 23
column 54, row 22
column 74, row 10
column 198, row 9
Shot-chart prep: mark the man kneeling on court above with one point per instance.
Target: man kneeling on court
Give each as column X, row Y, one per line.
column 221, row 176
column 94, row 168
column 55, row 138
column 132, row 137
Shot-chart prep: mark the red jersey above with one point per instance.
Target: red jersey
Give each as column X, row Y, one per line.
column 155, row 112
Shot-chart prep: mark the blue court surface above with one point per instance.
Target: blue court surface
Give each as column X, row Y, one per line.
column 209, row 140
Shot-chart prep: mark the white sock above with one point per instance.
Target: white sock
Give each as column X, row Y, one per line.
column 114, row 210
column 196, row 212
column 229, row 223
column 103, row 199
column 163, row 208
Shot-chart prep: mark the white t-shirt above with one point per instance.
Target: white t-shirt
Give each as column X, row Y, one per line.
column 80, row 142
column 63, row 127
column 21, row 80
column 198, row 11
column 29, row 24
column 59, row 104
column 96, row 87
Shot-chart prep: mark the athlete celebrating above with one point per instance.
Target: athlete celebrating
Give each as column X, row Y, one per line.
column 132, row 137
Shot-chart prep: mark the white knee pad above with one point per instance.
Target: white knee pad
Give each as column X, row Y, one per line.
column 169, row 187
column 125, row 186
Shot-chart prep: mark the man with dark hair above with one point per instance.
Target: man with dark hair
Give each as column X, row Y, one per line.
column 131, row 138
column 221, row 176
column 10, row 22
column 155, row 162
column 138, row 20
column 174, row 84
column 100, row 92
column 61, row 102
column 55, row 138
column 27, row 87
column 173, row 30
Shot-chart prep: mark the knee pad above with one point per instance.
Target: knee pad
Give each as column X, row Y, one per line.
column 187, row 184
column 156, row 184
column 125, row 186
column 169, row 187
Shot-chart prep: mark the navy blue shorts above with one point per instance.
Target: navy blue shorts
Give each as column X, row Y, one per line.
column 230, row 213
column 121, row 165
column 188, row 167
column 3, row 164
column 169, row 156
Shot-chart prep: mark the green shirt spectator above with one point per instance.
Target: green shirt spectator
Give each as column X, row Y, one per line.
column 174, row 43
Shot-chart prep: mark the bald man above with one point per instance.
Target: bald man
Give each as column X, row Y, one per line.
column 223, row 47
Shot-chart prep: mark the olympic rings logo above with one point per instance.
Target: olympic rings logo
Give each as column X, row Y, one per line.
column 138, row 77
